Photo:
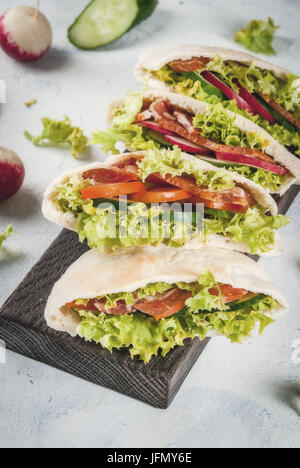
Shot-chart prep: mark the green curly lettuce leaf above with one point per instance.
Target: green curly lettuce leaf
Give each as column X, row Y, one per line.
column 220, row 126
column 284, row 91
column 140, row 138
column 255, row 228
column 145, row 337
column 106, row 227
column 258, row 36
column 130, row 298
column 6, row 234
column 124, row 130
column 203, row 300
column 253, row 79
column 268, row 180
column 172, row 163
column 57, row 132
column 142, row 226
column 132, row 136
column 288, row 137
column 199, row 289
column 68, row 198
column 126, row 114
column 187, row 84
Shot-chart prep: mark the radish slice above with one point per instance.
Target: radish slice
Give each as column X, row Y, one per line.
column 156, row 128
column 229, row 93
column 248, row 160
column 256, row 106
column 186, row 145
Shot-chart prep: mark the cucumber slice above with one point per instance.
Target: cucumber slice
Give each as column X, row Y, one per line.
column 159, row 138
column 218, row 213
column 103, row 22
column 146, row 8
column 206, row 86
column 244, row 303
column 285, row 123
column 220, row 163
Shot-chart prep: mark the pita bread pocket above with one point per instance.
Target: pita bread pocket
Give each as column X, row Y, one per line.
column 264, row 93
column 151, row 300
column 238, row 214
column 160, row 118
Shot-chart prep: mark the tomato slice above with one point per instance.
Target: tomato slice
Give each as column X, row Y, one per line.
column 165, row 304
column 161, row 195
column 112, row 190
column 229, row 293
column 110, row 175
column 224, row 206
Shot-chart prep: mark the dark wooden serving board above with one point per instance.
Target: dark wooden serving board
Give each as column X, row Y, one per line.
column 24, row 330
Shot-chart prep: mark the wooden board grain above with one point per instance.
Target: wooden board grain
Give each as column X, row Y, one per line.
column 24, row 330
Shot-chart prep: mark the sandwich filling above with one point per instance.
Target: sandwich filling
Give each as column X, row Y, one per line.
column 157, row 186
column 142, row 124
column 271, row 102
column 161, row 316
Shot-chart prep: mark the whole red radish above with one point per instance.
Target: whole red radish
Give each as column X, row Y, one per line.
column 25, row 33
column 12, row 173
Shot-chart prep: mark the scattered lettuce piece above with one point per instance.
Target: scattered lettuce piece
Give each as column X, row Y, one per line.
column 258, row 36
column 6, row 234
column 31, row 103
column 60, row 132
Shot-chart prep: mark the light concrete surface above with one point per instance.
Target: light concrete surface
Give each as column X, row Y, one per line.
column 235, row 396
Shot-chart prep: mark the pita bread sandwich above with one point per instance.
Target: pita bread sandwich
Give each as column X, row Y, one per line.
column 157, row 118
column 155, row 298
column 266, row 94
column 157, row 197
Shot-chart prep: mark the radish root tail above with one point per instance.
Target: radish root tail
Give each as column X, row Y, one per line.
column 37, row 9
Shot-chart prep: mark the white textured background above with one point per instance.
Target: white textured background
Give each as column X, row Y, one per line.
column 235, row 396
